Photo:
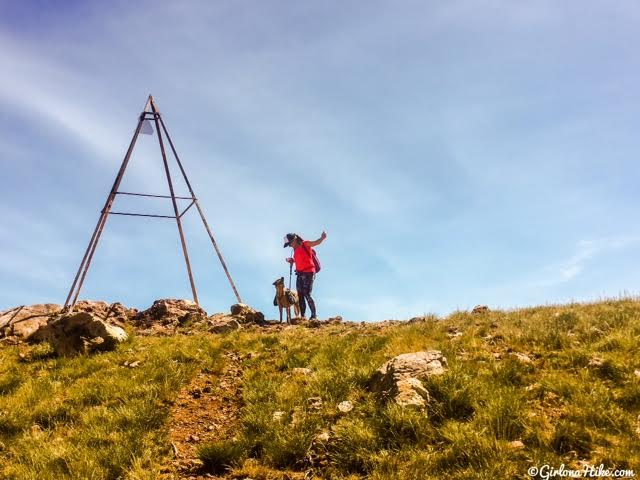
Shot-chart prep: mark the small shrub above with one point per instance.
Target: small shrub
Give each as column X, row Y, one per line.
column 609, row 370
column 218, row 457
column 503, row 414
column 452, row 396
column 564, row 321
column 465, row 447
column 355, row 441
column 512, row 372
column 401, row 427
column 569, row 436
column 9, row 382
column 629, row 397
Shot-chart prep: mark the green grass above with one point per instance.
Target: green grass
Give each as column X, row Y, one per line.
column 93, row 417
column 578, row 399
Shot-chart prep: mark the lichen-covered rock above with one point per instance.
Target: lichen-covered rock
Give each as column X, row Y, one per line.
column 400, row 378
column 76, row 333
column 246, row 314
column 478, row 309
column 170, row 312
column 23, row 321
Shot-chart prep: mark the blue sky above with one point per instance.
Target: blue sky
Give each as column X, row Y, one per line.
column 457, row 153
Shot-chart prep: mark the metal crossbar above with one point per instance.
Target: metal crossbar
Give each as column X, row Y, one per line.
column 154, row 196
column 141, row 215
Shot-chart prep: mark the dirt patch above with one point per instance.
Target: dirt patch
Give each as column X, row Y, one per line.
column 204, row 411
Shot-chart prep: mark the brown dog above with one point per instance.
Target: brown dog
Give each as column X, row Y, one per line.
column 286, row 299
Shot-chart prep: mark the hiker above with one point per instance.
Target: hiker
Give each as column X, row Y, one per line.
column 306, row 269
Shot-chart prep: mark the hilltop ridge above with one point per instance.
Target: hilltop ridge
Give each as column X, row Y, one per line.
column 553, row 385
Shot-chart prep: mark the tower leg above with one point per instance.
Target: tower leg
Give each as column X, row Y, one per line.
column 78, row 281
column 204, row 220
column 175, row 205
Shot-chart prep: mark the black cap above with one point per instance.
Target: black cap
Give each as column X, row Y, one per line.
column 289, row 237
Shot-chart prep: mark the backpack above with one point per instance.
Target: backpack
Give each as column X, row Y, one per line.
column 314, row 257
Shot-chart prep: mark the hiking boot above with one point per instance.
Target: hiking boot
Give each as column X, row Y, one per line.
column 313, row 317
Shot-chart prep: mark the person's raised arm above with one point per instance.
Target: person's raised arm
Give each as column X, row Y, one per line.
column 315, row 243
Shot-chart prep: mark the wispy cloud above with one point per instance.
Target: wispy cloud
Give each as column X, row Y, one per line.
column 585, row 252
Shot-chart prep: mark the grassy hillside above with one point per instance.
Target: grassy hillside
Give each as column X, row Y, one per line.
column 549, row 385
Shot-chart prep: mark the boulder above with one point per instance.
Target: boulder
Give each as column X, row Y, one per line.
column 23, row 321
column 224, row 324
column 480, row 309
column 246, row 314
column 400, row 378
column 76, row 333
column 170, row 312
column 114, row 313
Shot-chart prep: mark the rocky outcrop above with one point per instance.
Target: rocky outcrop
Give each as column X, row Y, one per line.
column 170, row 313
column 400, row 378
column 114, row 313
column 23, row 321
column 246, row 314
column 81, row 332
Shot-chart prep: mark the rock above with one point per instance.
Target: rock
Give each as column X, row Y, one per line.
column 23, row 321
column 323, row 437
column 453, row 332
column 302, row 371
column 81, row 332
column 399, row 378
column 480, row 309
column 171, row 312
column 411, row 393
column 114, row 313
column 523, row 357
column 345, row 406
column 596, row 362
column 636, row 373
column 277, row 415
column 314, row 402
column 493, row 339
column 224, row 325
column 417, row 320
column 516, row 445
column 246, row 314
column 334, row 320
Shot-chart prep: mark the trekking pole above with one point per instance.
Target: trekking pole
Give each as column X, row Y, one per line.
column 290, row 273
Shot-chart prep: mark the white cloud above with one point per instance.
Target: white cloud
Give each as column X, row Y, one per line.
column 586, row 250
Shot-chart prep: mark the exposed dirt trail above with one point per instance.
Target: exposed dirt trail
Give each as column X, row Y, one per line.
column 205, row 410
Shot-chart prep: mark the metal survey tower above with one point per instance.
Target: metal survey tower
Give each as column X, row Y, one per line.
column 149, row 116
